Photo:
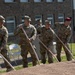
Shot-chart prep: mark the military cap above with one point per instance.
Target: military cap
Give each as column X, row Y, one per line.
column 38, row 20
column 68, row 19
column 27, row 18
column 47, row 21
column 2, row 18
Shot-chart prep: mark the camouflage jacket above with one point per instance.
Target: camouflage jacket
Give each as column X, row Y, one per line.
column 3, row 37
column 30, row 31
column 46, row 35
column 38, row 27
column 63, row 32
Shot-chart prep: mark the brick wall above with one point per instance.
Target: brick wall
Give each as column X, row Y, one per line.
column 19, row 9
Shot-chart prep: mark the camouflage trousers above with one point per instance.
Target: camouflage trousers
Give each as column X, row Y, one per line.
column 43, row 53
column 24, row 51
column 4, row 53
column 59, row 48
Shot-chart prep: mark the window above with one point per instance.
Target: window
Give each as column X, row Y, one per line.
column 38, row 17
column 10, row 24
column 37, row 0
column 60, row 0
column 49, row 0
column 23, row 0
column 9, row 0
column 22, row 19
column 73, row 4
column 50, row 17
column 61, row 18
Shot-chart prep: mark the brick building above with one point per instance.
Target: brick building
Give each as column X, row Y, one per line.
column 74, row 19
column 14, row 10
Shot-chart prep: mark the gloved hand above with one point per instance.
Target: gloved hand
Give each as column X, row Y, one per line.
column 30, row 39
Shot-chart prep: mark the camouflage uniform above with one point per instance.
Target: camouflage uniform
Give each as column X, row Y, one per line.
column 25, row 46
column 64, row 33
column 39, row 28
column 38, row 25
column 46, row 36
column 3, row 42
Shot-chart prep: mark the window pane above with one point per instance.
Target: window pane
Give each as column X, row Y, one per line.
column 22, row 19
column 38, row 17
column 10, row 27
column 23, row 0
column 60, row 0
column 10, row 24
column 37, row 0
column 10, row 18
column 49, row 0
column 51, row 18
column 9, row 0
column 61, row 18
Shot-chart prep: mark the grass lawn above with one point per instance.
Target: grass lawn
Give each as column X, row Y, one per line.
column 72, row 47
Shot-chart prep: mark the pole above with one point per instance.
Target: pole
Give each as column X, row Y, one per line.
column 48, row 49
column 7, row 62
column 31, row 46
column 61, row 42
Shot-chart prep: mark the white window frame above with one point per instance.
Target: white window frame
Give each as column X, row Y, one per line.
column 73, row 4
column 23, row 0
column 22, row 19
column 50, row 17
column 8, row 1
column 37, row 0
column 49, row 0
column 60, row 0
column 61, row 16
column 10, row 21
column 38, row 17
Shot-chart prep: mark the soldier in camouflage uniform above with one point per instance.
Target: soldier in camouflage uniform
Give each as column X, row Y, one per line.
column 46, row 36
column 3, row 42
column 64, row 33
column 38, row 24
column 24, row 43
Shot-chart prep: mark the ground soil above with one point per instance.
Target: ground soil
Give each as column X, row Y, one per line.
column 61, row 68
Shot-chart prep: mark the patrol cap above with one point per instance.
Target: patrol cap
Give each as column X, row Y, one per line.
column 2, row 19
column 38, row 20
column 47, row 21
column 68, row 19
column 27, row 18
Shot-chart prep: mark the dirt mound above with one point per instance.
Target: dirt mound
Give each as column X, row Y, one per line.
column 62, row 68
